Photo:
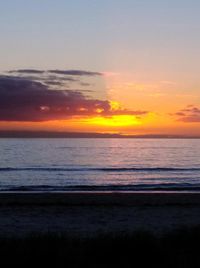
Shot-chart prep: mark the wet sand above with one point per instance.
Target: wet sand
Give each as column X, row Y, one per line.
column 84, row 214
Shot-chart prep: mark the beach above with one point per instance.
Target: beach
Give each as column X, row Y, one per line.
column 89, row 214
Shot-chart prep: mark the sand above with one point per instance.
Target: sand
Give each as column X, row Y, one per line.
column 84, row 214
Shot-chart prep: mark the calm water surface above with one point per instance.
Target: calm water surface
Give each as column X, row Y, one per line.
column 99, row 164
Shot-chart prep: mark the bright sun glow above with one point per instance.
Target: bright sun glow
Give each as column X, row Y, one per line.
column 114, row 121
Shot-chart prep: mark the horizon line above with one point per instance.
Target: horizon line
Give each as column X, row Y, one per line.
column 66, row 134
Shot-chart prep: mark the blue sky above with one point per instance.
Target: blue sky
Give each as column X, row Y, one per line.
column 100, row 35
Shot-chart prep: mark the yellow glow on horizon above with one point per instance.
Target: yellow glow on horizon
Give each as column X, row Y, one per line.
column 114, row 121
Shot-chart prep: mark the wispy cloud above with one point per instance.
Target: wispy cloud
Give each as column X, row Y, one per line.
column 62, row 78
column 190, row 114
column 27, row 71
column 57, row 71
column 75, row 72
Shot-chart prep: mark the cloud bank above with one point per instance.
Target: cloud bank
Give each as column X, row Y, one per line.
column 24, row 99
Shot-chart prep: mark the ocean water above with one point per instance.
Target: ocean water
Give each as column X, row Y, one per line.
column 99, row 164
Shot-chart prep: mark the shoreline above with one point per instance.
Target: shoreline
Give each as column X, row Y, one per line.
column 91, row 214
column 100, row 198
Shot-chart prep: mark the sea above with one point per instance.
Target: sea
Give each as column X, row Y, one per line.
column 99, row 164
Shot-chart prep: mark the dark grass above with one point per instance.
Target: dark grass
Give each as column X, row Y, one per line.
column 179, row 248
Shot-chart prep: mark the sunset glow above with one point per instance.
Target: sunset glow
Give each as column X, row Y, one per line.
column 133, row 76
column 116, row 121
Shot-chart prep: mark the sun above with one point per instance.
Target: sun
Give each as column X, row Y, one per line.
column 114, row 121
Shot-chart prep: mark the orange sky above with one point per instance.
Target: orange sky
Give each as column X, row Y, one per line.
column 134, row 108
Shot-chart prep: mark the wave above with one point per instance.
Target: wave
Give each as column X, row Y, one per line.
column 113, row 188
column 107, row 169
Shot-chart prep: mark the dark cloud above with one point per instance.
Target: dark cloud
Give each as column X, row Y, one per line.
column 56, row 77
column 60, row 78
column 22, row 99
column 27, row 71
column 190, row 114
column 75, row 72
column 54, row 83
column 56, row 71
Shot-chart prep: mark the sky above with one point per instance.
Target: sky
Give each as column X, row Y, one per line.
column 113, row 66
